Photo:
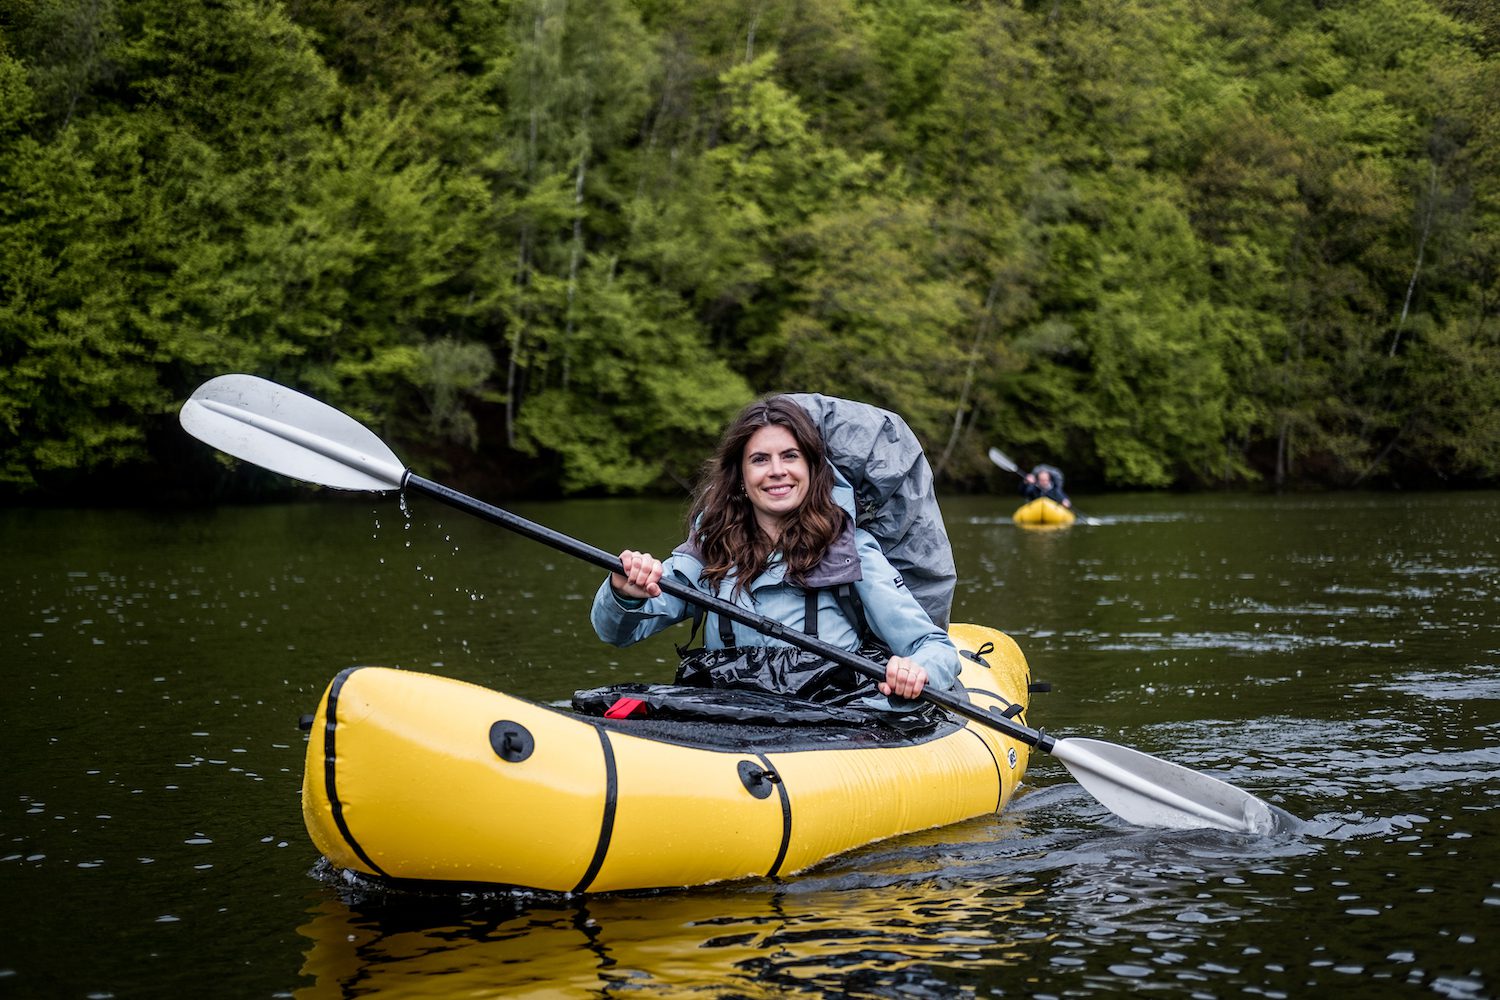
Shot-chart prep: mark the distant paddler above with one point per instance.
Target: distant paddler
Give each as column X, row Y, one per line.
column 1045, row 481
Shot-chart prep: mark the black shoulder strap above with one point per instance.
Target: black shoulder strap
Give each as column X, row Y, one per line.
column 848, row 601
column 853, row 609
column 682, row 650
column 726, row 632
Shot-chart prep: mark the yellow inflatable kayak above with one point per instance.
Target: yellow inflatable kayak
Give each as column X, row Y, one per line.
column 1043, row 512
column 415, row 777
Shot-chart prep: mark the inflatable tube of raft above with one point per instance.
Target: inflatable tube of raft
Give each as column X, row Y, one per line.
column 410, row 776
column 1043, row 512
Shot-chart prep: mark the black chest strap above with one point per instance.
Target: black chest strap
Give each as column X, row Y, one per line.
column 848, row 601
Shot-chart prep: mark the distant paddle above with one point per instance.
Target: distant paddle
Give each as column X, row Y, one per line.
column 287, row 432
column 1003, row 460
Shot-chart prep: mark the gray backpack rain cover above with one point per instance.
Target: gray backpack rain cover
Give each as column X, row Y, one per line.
column 879, row 456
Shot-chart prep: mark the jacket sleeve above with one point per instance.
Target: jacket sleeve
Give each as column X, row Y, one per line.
column 622, row 621
column 896, row 617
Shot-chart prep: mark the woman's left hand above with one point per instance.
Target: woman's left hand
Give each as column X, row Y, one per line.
column 904, row 678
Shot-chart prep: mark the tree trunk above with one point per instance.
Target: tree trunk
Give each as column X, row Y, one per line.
column 981, row 331
column 514, row 374
column 574, row 259
column 1416, row 270
column 1283, row 437
column 750, row 33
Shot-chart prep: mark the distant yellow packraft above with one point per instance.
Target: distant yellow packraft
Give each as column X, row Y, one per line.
column 1043, row 512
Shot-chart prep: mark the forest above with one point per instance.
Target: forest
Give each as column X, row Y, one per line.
column 547, row 248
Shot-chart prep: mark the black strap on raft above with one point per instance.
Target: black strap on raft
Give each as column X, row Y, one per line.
column 978, row 655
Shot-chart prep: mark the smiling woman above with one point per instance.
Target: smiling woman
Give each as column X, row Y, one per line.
column 771, row 530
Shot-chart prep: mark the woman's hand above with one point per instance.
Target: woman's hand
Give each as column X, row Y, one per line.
column 903, row 678
column 640, row 577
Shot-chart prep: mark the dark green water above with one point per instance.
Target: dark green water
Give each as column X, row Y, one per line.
column 1339, row 656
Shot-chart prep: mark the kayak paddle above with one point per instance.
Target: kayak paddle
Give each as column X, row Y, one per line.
column 291, row 433
column 1003, row 460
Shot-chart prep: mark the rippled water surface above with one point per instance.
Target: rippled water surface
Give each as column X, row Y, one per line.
column 1338, row 656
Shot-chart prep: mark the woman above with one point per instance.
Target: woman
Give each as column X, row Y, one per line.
column 765, row 530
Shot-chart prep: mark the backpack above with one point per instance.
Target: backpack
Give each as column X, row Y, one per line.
column 875, row 452
column 1054, row 471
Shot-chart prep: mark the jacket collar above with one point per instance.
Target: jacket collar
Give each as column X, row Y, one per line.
column 839, row 565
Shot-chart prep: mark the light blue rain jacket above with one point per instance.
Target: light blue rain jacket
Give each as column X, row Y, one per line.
column 893, row 614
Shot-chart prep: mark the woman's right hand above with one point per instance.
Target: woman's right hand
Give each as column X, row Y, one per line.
column 640, row 576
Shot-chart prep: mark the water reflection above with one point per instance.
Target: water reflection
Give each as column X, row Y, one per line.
column 834, row 932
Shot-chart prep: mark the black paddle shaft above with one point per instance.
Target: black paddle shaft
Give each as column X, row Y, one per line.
column 767, row 626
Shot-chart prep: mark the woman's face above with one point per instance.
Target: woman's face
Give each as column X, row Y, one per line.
column 775, row 474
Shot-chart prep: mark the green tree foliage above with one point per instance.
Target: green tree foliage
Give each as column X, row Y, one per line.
column 1158, row 243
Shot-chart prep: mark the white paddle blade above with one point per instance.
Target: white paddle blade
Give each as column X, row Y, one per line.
column 1001, row 459
column 1149, row 791
column 288, row 432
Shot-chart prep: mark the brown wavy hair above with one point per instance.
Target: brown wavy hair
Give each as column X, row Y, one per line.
column 722, row 520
